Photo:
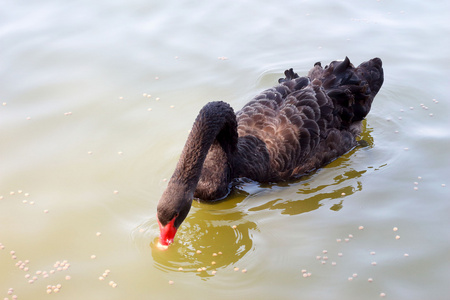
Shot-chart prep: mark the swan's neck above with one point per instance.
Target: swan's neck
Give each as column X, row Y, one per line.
column 213, row 139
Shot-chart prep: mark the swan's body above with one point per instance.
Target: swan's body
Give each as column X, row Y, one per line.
column 286, row 131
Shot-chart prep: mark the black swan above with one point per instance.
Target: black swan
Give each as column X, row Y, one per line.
column 285, row 132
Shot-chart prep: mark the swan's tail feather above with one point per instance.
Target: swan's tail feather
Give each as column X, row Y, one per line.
column 372, row 71
column 352, row 89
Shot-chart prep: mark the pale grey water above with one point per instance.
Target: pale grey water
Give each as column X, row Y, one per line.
column 81, row 153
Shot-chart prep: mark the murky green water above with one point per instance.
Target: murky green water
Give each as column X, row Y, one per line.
column 96, row 103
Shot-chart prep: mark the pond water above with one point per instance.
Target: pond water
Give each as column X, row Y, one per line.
column 96, row 101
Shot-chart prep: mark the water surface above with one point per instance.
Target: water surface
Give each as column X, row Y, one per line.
column 97, row 99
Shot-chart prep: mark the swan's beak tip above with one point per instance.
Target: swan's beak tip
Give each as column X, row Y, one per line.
column 161, row 246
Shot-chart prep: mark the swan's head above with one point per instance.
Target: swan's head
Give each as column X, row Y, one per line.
column 173, row 208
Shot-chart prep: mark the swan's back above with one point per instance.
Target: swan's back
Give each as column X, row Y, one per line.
column 304, row 123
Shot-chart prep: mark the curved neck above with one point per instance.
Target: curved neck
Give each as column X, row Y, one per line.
column 216, row 122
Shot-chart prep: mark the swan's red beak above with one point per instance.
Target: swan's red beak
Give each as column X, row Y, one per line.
column 166, row 234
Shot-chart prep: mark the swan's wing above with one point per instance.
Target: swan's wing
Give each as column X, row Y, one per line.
column 305, row 124
column 289, row 75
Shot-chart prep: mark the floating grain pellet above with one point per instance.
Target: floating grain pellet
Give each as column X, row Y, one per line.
column 171, row 282
column 236, row 269
column 234, row 226
column 213, row 272
column 199, row 251
column 395, row 229
column 361, row 227
column 397, row 237
column 244, row 271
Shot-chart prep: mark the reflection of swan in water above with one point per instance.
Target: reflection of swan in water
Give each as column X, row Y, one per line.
column 222, row 233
